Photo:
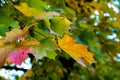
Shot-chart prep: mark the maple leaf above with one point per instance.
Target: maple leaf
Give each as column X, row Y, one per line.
column 13, row 35
column 46, row 49
column 60, row 25
column 19, row 55
column 16, row 34
column 78, row 52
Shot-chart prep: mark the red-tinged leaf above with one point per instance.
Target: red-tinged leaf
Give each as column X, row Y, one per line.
column 76, row 51
column 16, row 34
column 19, row 55
column 13, row 35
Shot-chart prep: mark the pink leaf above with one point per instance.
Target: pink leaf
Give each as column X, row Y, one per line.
column 19, row 55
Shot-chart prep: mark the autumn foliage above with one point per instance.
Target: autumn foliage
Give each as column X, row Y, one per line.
column 67, row 39
column 76, row 51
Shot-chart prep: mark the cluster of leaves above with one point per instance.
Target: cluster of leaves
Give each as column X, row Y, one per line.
column 45, row 27
column 50, row 28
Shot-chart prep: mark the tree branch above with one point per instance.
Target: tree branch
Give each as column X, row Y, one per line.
column 11, row 68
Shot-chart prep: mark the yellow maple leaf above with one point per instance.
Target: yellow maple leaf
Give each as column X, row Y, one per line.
column 27, row 10
column 76, row 51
